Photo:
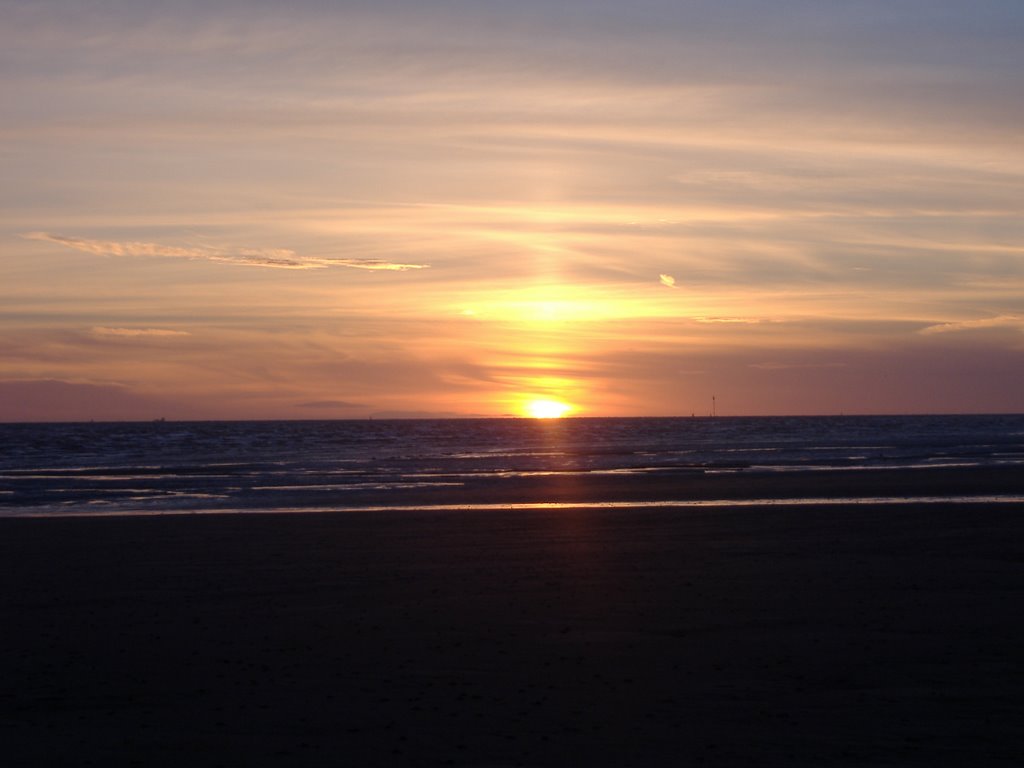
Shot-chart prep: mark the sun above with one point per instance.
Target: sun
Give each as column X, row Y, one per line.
column 546, row 409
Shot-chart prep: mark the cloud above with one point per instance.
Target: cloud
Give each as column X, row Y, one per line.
column 159, row 332
column 373, row 264
column 1001, row 321
column 704, row 320
column 276, row 258
column 667, row 280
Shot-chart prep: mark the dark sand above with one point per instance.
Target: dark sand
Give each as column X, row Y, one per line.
column 771, row 636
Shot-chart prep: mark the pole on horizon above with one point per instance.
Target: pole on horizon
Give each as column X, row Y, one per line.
column 714, row 409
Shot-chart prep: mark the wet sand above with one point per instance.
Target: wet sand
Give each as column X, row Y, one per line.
column 866, row 635
column 672, row 485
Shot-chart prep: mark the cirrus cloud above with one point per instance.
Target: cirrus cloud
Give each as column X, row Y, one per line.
column 275, row 258
column 1001, row 321
column 132, row 332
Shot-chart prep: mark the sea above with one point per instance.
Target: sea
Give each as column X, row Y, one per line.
column 164, row 467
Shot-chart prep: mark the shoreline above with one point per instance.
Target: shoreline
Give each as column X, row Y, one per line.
column 867, row 501
column 960, row 484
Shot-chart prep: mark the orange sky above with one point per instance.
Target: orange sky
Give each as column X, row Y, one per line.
column 231, row 210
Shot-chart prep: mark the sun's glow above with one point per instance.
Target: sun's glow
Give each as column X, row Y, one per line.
column 560, row 304
column 547, row 409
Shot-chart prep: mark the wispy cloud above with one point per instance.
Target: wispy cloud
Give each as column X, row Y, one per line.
column 158, row 332
column 275, row 258
column 1001, row 321
column 705, row 320
column 667, row 280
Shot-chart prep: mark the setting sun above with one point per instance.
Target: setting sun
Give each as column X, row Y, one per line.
column 547, row 409
column 592, row 235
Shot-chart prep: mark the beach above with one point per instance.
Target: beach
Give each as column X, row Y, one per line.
column 848, row 634
column 544, row 384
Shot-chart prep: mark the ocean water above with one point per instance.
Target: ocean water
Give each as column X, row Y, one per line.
column 161, row 467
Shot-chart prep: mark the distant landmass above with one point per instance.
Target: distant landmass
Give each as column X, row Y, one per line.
column 426, row 415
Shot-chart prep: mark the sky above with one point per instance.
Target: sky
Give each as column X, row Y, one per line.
column 304, row 210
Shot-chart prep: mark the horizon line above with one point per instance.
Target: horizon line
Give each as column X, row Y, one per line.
column 514, row 417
